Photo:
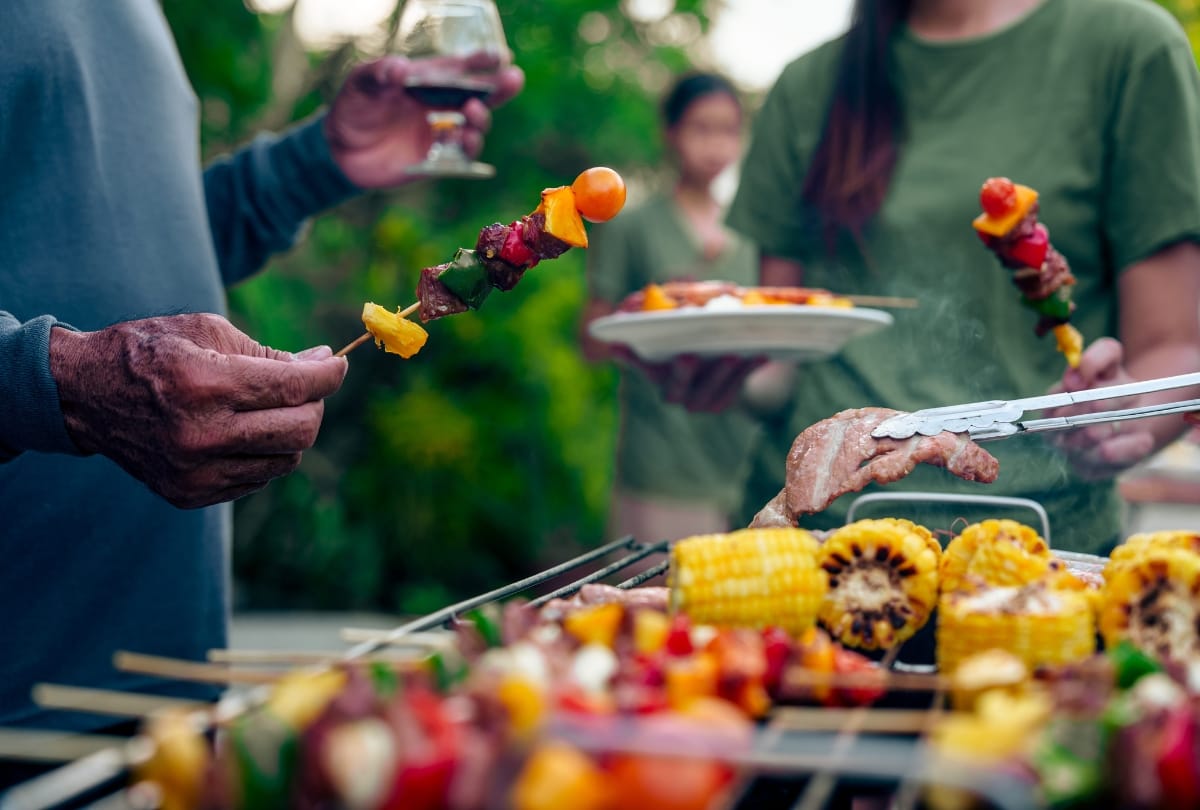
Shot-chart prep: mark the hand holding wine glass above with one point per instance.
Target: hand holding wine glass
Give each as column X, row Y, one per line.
column 379, row 132
column 457, row 50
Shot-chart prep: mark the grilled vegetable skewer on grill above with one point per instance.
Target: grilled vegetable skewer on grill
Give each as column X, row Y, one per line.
column 1009, row 227
column 499, row 259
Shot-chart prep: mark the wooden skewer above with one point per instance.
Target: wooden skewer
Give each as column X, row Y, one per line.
column 36, row 745
column 892, row 681
column 175, row 669
column 107, row 701
column 301, row 659
column 365, row 336
column 874, row 721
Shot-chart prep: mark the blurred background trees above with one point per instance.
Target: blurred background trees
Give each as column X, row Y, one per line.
column 489, row 454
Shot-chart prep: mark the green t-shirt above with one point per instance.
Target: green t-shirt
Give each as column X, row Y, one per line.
column 664, row 450
column 1096, row 104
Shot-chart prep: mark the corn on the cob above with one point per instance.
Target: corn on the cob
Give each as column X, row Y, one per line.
column 883, row 582
column 748, row 578
column 1036, row 623
column 1153, row 599
column 998, row 552
column 1138, row 544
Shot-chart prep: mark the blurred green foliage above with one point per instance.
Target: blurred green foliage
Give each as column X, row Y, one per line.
column 490, row 453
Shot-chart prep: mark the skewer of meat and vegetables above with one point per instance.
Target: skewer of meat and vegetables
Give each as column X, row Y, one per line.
column 501, row 256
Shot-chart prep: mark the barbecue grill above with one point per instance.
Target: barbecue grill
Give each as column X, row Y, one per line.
column 788, row 766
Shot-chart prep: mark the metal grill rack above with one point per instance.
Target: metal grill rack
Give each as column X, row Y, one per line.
column 788, row 767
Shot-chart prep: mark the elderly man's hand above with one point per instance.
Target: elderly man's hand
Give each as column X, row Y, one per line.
column 191, row 406
column 376, row 130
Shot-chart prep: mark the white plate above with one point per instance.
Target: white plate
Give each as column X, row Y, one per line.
column 775, row 330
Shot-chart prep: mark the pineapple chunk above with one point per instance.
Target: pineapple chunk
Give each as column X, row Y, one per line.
column 562, row 217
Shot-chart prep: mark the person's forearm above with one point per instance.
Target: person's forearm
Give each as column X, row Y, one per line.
column 1166, row 360
column 260, row 197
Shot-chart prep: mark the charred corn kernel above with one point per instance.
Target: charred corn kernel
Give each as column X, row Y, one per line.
column 883, row 582
column 1035, row 623
column 595, row 625
column 1070, row 343
column 1153, row 599
column 656, row 298
column 749, row 578
column 1013, row 554
column 1137, row 545
column 650, row 629
column 395, row 334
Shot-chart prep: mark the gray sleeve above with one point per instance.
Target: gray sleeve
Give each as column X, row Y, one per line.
column 260, row 197
column 30, row 416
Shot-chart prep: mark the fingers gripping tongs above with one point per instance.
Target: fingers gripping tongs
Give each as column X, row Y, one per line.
column 999, row 419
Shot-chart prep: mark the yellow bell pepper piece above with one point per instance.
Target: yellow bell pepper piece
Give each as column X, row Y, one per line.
column 656, row 298
column 650, row 628
column 562, row 217
column 595, row 625
column 525, row 704
column 691, row 678
column 393, row 333
column 998, row 226
column 557, row 776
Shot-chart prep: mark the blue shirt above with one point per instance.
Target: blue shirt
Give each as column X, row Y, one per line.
column 106, row 215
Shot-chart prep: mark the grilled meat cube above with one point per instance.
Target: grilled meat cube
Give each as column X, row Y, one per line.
column 436, row 299
column 543, row 245
column 503, row 273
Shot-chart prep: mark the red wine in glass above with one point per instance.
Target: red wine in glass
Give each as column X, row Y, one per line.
column 449, row 92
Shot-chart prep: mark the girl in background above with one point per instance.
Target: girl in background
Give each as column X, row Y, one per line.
column 677, row 473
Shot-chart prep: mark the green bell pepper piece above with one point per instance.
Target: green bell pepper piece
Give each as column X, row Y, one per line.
column 1056, row 305
column 384, row 679
column 467, row 279
column 1131, row 664
column 266, row 751
column 487, row 626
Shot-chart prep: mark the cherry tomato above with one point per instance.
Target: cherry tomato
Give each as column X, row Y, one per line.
column 599, row 194
column 998, row 196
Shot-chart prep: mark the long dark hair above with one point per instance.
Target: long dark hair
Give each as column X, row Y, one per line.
column 850, row 171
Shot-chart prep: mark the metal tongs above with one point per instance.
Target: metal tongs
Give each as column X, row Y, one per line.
column 999, row 419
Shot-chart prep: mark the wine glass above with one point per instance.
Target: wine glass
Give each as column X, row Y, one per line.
column 457, row 47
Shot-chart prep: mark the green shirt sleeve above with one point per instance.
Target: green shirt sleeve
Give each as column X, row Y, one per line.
column 1152, row 184
column 609, row 260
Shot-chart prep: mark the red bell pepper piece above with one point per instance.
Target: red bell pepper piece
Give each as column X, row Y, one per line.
column 847, row 662
column 1031, row 251
column 1178, row 765
column 429, row 744
column 777, row 649
column 679, row 637
column 514, row 250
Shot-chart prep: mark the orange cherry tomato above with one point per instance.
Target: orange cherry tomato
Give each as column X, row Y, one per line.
column 599, row 194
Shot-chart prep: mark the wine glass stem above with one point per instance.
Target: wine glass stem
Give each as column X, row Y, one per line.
column 447, row 135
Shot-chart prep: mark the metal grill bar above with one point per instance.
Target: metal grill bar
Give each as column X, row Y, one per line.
column 599, row 574
column 447, row 613
column 645, row 576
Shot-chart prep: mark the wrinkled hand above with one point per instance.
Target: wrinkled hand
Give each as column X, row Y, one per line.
column 376, row 129
column 189, row 405
column 700, row 384
column 1102, row 451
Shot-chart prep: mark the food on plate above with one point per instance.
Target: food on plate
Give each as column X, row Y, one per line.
column 1151, row 596
column 839, row 455
column 724, row 295
column 1037, row 623
column 1009, row 227
column 748, row 578
column 883, row 582
column 501, row 255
